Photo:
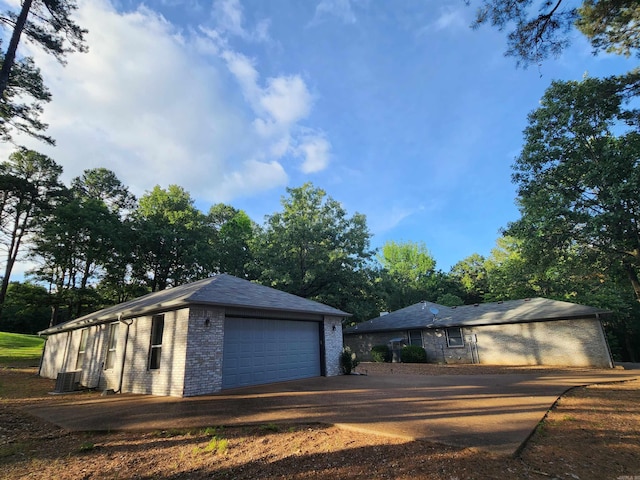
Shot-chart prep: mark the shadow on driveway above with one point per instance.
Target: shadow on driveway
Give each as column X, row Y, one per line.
column 490, row 412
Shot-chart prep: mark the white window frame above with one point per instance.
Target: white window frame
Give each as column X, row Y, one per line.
column 155, row 342
column 409, row 337
column 82, row 348
column 112, row 344
column 449, row 338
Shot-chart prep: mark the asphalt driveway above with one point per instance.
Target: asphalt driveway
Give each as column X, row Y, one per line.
column 491, row 412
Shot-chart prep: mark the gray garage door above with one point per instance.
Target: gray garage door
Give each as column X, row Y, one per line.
column 267, row 351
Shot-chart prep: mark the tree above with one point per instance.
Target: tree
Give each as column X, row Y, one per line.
column 84, row 239
column 15, row 113
column 313, row 249
column 408, row 273
column 232, row 234
column 171, row 246
column 29, row 186
column 26, row 308
column 578, row 177
column 471, row 273
column 610, row 25
column 48, row 24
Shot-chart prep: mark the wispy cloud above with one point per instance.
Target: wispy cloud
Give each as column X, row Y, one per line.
column 341, row 9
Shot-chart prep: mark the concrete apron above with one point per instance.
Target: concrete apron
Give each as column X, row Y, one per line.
column 496, row 413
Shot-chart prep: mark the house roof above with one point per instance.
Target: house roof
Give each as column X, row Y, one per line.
column 420, row 316
column 219, row 290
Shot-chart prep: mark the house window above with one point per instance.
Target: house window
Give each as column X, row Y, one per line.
column 111, row 347
column 454, row 337
column 415, row 337
column 157, row 327
column 82, row 348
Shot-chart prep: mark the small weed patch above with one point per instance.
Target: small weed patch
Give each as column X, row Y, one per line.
column 216, row 445
column 270, row 427
column 87, row 447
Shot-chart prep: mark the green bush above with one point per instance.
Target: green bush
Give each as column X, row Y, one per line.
column 413, row 354
column 348, row 361
column 381, row 353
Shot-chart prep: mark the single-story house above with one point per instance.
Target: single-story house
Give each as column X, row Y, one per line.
column 534, row 331
column 218, row 333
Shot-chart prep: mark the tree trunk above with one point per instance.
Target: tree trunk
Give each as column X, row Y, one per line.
column 633, row 278
column 10, row 56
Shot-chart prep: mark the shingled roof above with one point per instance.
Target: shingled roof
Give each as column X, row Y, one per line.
column 220, row 290
column 420, row 316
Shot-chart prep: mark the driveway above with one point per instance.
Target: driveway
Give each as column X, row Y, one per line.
column 496, row 413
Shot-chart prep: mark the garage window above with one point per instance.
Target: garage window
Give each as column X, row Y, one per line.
column 155, row 349
column 111, row 349
column 82, row 348
column 454, row 337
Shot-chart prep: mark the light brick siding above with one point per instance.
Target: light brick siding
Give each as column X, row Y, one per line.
column 61, row 355
column 579, row 343
column 333, row 345
column 54, row 355
column 169, row 378
column 203, row 370
column 190, row 361
column 576, row 343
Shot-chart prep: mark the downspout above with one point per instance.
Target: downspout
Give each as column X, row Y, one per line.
column 44, row 348
column 606, row 342
column 124, row 351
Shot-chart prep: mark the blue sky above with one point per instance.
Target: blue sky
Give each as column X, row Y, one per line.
column 397, row 109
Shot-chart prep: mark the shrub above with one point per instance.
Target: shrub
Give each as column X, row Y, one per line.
column 413, row 354
column 348, row 361
column 381, row 353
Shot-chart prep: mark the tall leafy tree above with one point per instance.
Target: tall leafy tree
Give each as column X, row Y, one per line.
column 26, row 308
column 83, row 240
column 29, row 184
column 232, row 234
column 471, row 273
column 172, row 245
column 312, row 248
column 578, row 176
column 21, row 105
column 541, row 29
column 408, row 273
column 46, row 23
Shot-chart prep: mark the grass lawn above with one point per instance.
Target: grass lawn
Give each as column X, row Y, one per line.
column 20, row 350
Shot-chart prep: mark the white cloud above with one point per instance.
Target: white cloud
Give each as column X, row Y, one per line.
column 159, row 107
column 315, row 150
column 341, row 9
column 229, row 18
column 449, row 18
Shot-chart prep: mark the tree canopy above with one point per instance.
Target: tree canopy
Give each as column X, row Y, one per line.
column 48, row 24
column 578, row 176
column 542, row 29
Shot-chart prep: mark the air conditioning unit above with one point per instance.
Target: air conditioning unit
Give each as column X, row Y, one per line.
column 68, row 381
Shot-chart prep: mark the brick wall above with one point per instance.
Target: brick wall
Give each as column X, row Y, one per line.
column 579, row 343
column 203, row 369
column 576, row 343
column 362, row 343
column 169, row 378
column 333, row 345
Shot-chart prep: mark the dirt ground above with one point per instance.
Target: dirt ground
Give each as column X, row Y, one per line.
column 591, row 433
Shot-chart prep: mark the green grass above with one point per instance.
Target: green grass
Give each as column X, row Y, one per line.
column 16, row 348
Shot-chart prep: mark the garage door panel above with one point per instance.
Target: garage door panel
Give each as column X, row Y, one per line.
column 263, row 351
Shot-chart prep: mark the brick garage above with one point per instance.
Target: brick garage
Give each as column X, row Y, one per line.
column 175, row 342
column 535, row 331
